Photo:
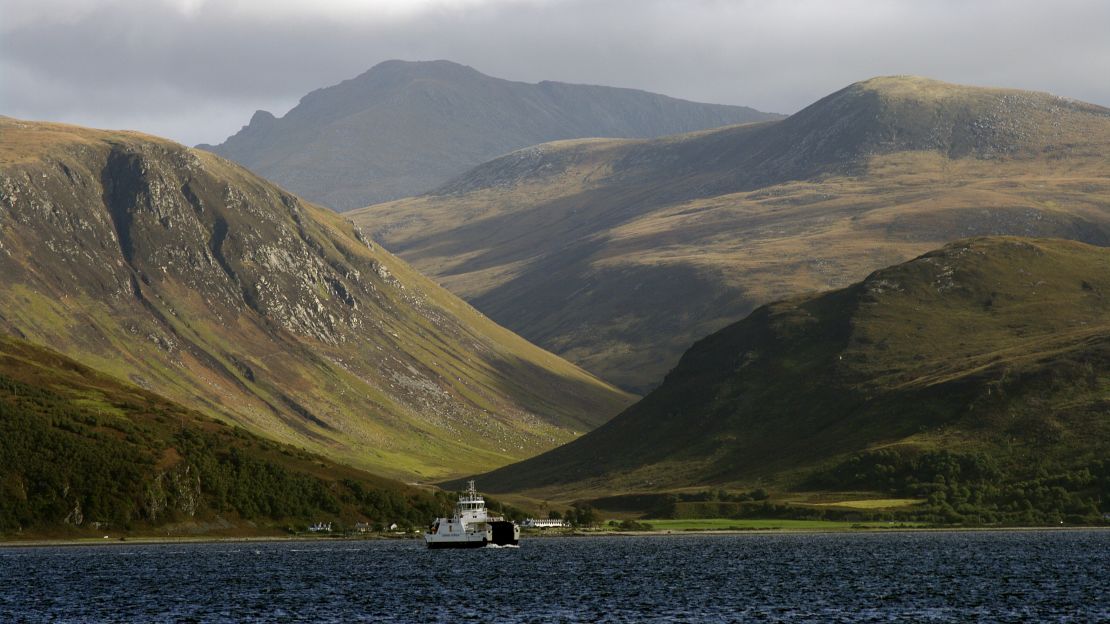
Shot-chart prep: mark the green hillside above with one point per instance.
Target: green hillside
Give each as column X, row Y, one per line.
column 403, row 128
column 618, row 254
column 193, row 278
column 984, row 365
column 83, row 453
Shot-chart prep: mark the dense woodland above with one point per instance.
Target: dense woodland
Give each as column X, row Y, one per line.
column 108, row 456
column 964, row 488
column 956, row 489
column 970, row 489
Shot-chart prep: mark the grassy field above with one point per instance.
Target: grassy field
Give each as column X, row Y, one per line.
column 874, row 503
column 724, row 524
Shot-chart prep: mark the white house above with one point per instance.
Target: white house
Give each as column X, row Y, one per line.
column 542, row 523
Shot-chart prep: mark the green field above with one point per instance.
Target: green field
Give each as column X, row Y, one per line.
column 874, row 503
column 722, row 524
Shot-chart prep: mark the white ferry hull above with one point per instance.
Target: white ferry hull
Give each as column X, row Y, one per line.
column 434, row 541
column 471, row 526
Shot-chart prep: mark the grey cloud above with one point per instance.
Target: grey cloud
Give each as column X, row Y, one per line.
column 198, row 76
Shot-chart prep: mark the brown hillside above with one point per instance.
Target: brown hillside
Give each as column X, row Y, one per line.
column 619, row 254
column 189, row 276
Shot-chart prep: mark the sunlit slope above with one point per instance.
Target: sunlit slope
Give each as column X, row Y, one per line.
column 992, row 346
column 619, row 254
column 191, row 277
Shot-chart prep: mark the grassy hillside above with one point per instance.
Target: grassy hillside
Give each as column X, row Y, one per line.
column 619, row 254
column 81, row 452
column 191, row 277
column 404, row 128
column 985, row 363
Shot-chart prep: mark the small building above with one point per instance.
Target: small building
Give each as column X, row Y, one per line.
column 363, row 527
column 542, row 523
column 320, row 527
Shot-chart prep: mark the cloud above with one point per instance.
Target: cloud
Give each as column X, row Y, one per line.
column 195, row 70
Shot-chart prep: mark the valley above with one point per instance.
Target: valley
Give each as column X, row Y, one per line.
column 619, row 254
column 965, row 385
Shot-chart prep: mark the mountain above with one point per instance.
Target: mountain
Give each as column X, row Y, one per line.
column 618, row 254
column 80, row 450
column 992, row 354
column 193, row 278
column 403, row 128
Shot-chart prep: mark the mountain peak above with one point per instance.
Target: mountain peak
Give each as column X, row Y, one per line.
column 899, row 113
column 620, row 253
column 438, row 67
column 922, row 89
column 396, row 73
column 908, row 83
column 405, row 127
column 261, row 117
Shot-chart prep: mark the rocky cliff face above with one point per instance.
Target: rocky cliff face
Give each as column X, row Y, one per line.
column 192, row 277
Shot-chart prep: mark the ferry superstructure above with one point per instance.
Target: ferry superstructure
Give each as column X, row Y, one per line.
column 471, row 526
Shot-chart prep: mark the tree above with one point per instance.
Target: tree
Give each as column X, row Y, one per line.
column 581, row 514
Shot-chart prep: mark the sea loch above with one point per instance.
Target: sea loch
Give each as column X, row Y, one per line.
column 868, row 577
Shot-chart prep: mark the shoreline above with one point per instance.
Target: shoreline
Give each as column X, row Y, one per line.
column 150, row 540
column 813, row 531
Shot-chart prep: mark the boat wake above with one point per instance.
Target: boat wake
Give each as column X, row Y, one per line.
column 502, row 545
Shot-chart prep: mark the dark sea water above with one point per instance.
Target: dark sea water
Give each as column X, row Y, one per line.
column 1056, row 576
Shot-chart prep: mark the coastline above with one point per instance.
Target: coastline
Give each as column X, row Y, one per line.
column 156, row 540
column 834, row 531
column 146, row 540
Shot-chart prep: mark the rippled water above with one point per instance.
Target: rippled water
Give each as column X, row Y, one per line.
column 936, row 577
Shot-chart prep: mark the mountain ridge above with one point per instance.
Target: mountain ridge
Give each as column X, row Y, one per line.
column 996, row 346
column 187, row 275
column 402, row 128
column 729, row 218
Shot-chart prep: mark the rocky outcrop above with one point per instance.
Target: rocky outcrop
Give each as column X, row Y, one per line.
column 190, row 276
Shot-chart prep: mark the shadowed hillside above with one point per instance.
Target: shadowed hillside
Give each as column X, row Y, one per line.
column 81, row 451
column 993, row 352
column 191, row 277
column 403, row 128
column 618, row 254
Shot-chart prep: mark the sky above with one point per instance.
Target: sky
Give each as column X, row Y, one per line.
column 196, row 70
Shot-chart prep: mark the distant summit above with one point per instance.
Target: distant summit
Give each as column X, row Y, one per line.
column 619, row 253
column 403, row 128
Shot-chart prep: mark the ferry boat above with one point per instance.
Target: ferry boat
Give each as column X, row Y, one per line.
column 471, row 526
